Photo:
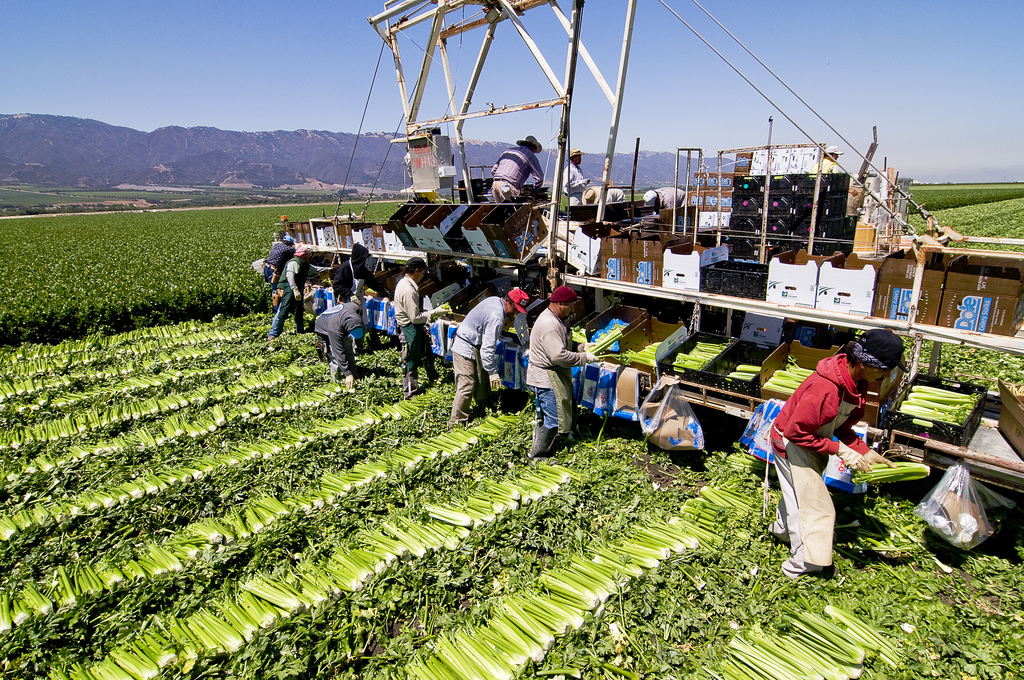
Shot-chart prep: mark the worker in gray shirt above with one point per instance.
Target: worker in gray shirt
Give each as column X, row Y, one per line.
column 549, row 372
column 474, row 356
column 412, row 327
column 665, row 197
column 336, row 329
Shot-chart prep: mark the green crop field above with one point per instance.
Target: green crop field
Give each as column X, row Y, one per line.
column 943, row 196
column 183, row 502
column 77, row 274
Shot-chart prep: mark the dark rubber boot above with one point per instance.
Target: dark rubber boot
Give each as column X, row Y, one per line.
column 543, row 442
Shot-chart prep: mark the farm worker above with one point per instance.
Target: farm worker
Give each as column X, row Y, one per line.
column 549, row 372
column 354, row 276
column 292, row 289
column 592, row 194
column 665, row 197
column 513, row 167
column 826, row 405
column 575, row 182
column 337, row 328
column 474, row 355
column 412, row 332
column 829, row 163
column 281, row 251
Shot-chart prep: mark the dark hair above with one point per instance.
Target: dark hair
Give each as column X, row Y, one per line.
column 281, row 235
column 851, row 358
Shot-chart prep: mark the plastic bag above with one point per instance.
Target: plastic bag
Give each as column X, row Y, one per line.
column 954, row 509
column 757, row 436
column 668, row 420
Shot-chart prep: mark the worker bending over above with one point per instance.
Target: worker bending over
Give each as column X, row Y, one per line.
column 827, row 404
column 474, row 355
column 336, row 329
column 512, row 169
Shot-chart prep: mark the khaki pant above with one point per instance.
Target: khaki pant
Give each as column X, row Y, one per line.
column 806, row 518
column 471, row 383
column 503, row 190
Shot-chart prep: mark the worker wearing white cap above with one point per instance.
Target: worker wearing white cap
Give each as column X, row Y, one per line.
column 829, row 163
column 513, row 167
column 575, row 182
column 665, row 197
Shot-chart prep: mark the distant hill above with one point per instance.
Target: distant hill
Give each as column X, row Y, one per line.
column 64, row 151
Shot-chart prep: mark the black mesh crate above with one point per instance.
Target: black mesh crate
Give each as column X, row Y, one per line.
column 739, row 279
column 780, row 184
column 742, row 248
column 747, row 206
column 697, row 375
column 827, row 246
column 748, row 186
column 717, row 373
column 780, row 205
column 745, row 225
column 926, row 428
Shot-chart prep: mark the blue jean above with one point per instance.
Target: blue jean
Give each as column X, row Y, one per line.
column 288, row 305
column 547, row 406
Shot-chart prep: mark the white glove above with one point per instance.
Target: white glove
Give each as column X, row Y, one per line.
column 438, row 311
column 495, row 382
column 296, row 293
column 853, row 460
column 350, row 382
column 354, row 299
column 591, row 357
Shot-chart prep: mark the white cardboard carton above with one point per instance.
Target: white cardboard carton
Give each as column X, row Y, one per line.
column 793, row 279
column 850, row 289
column 681, row 265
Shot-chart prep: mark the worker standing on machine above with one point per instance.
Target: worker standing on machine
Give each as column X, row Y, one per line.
column 827, row 404
column 575, row 183
column 829, row 163
column 513, row 167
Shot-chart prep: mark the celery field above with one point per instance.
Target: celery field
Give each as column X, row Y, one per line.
column 181, row 502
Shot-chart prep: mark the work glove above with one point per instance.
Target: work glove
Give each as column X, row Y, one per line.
column 853, row 459
column 495, row 382
column 438, row 312
column 296, row 293
column 354, row 299
column 350, row 382
column 583, row 347
column 875, row 458
column 591, row 357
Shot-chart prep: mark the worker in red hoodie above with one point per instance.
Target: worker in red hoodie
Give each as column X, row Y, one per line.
column 827, row 404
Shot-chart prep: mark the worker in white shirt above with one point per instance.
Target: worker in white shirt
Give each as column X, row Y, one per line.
column 575, row 182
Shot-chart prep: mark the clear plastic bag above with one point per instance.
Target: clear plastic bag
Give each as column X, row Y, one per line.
column 954, row 509
column 668, row 420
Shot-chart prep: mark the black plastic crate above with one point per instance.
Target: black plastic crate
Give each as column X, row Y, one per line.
column 743, row 352
column 826, row 246
column 739, row 279
column 747, row 206
column 839, row 228
column 926, row 428
column 742, row 248
column 745, row 225
column 694, row 375
column 748, row 186
column 780, row 205
column 780, row 184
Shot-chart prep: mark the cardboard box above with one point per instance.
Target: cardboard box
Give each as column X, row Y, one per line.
column 849, row 288
column 894, row 288
column 1011, row 416
column 982, row 298
column 616, row 253
column 681, row 265
column 646, row 255
column 426, row 232
column 765, row 331
column 805, row 357
column 793, row 278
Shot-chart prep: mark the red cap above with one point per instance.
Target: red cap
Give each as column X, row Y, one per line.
column 562, row 294
column 518, row 298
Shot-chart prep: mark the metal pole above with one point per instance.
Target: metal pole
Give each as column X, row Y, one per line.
column 632, row 183
column 620, row 88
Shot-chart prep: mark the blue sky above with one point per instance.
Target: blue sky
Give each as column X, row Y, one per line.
column 940, row 80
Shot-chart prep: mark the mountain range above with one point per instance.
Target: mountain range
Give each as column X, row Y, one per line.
column 63, row 151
